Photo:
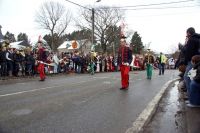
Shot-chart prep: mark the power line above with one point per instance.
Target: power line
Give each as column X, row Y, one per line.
column 78, row 4
column 154, row 4
column 81, row 6
column 168, row 14
column 159, row 7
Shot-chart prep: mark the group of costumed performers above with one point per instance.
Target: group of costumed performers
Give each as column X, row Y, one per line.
column 109, row 64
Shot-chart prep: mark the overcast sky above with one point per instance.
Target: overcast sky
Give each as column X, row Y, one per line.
column 163, row 27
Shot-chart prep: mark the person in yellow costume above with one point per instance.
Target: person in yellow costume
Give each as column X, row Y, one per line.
column 162, row 62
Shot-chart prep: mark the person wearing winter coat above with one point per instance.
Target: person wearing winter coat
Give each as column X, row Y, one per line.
column 191, row 49
column 194, row 75
column 9, row 58
column 3, row 63
column 162, row 62
column 17, row 60
column 56, row 62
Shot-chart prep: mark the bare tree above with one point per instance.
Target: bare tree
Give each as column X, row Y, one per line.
column 105, row 18
column 52, row 16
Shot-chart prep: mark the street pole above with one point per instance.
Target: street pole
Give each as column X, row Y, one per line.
column 92, row 26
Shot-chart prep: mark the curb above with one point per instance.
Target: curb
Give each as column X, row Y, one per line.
column 146, row 115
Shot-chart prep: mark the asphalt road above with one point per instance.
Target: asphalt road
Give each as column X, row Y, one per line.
column 77, row 104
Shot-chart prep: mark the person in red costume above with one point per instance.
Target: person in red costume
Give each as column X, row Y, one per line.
column 41, row 61
column 124, row 61
column 41, row 70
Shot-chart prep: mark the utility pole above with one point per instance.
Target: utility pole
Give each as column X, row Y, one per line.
column 92, row 26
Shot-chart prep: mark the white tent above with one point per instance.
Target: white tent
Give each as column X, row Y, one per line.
column 17, row 45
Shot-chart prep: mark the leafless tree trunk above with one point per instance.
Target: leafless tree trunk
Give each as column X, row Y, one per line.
column 52, row 16
column 105, row 17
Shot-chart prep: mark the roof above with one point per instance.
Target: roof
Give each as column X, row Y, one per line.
column 64, row 45
column 68, row 44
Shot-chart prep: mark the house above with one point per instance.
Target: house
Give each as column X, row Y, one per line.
column 83, row 46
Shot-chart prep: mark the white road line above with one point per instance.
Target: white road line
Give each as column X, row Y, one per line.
column 21, row 92
column 148, row 112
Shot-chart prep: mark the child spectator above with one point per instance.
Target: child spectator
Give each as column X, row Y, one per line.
column 194, row 91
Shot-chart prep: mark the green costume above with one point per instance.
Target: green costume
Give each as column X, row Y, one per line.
column 149, row 71
column 149, row 60
column 91, row 65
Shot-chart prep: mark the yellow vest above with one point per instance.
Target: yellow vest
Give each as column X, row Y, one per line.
column 163, row 58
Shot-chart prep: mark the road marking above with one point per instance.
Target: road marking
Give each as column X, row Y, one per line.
column 21, row 83
column 21, row 92
column 148, row 112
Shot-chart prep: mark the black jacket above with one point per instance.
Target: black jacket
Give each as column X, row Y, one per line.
column 192, row 47
column 3, row 56
column 197, row 77
column 29, row 59
column 127, row 57
column 17, row 58
column 181, row 58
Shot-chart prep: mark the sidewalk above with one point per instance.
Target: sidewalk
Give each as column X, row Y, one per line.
column 172, row 115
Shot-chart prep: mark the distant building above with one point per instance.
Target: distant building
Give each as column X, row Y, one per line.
column 83, row 46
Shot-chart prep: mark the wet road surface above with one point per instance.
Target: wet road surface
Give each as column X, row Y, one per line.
column 170, row 115
column 77, row 104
